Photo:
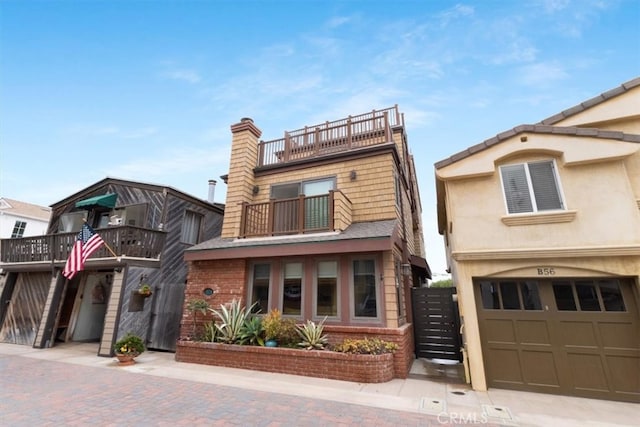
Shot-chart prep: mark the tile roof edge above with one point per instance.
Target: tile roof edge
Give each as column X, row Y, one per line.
column 538, row 129
column 612, row 93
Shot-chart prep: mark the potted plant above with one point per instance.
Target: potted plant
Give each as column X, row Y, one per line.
column 128, row 348
column 144, row 290
column 271, row 324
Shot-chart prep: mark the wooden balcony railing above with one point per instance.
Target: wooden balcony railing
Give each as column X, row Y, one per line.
column 290, row 216
column 124, row 240
column 331, row 137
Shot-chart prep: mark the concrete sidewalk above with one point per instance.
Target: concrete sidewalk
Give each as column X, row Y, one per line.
column 452, row 403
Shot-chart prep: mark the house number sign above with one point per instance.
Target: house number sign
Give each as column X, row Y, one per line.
column 546, row 271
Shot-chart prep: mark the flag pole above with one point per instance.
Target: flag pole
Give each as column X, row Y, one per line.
column 110, row 250
column 104, row 243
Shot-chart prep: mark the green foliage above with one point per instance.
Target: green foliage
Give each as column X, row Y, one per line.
column 312, row 335
column 447, row 283
column 288, row 334
column 284, row 331
column 271, row 324
column 365, row 346
column 144, row 289
column 251, row 331
column 196, row 306
column 232, row 320
column 129, row 344
column 210, row 332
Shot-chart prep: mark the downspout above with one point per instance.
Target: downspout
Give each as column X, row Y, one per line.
column 405, row 258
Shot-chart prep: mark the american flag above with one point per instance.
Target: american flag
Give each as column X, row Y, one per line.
column 87, row 242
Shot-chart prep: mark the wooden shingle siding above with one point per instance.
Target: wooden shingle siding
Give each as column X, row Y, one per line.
column 371, row 193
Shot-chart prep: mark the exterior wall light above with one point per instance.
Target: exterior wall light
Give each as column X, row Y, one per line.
column 406, row 269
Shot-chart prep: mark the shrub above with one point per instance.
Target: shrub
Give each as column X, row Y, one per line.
column 272, row 324
column 288, row 334
column 365, row 346
column 129, row 344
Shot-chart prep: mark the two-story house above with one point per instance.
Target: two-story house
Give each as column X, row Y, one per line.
column 542, row 231
column 18, row 219
column 145, row 229
column 324, row 222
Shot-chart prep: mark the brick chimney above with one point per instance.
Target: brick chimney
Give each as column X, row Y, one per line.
column 240, row 181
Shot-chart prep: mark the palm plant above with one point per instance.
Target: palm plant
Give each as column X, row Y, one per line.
column 312, row 335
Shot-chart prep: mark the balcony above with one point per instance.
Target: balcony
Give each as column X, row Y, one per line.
column 123, row 240
column 344, row 135
column 313, row 214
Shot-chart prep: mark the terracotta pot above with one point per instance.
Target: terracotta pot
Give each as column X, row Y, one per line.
column 126, row 359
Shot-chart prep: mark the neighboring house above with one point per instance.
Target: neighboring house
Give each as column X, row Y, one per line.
column 20, row 219
column 146, row 229
column 542, row 231
column 324, row 222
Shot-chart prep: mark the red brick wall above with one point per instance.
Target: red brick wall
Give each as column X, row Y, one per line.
column 402, row 336
column 311, row 363
column 227, row 278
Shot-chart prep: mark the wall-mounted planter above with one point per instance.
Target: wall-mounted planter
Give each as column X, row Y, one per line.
column 364, row 368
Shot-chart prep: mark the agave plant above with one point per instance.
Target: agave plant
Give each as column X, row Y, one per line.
column 232, row 320
column 252, row 330
column 210, row 332
column 312, row 335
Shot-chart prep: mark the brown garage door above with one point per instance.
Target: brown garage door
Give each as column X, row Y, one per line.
column 577, row 337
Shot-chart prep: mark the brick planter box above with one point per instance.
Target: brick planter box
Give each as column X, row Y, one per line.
column 362, row 368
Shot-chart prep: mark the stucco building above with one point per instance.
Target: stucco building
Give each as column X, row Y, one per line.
column 542, row 231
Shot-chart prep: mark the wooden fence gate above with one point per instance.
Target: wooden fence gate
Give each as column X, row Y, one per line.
column 436, row 324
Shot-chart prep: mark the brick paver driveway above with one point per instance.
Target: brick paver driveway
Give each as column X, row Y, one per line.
column 37, row 392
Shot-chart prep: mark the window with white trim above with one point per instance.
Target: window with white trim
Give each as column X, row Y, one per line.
column 531, row 187
column 18, row 229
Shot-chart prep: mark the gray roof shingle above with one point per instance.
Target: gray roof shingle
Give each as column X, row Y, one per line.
column 360, row 230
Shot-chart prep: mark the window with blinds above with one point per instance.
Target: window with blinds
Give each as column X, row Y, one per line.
column 531, row 187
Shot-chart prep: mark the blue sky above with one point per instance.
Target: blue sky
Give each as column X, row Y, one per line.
column 147, row 90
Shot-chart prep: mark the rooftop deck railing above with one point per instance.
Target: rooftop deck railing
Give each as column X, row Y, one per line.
column 331, row 137
column 123, row 240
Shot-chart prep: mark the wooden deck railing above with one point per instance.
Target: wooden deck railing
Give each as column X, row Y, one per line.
column 288, row 216
column 331, row 137
column 124, row 240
